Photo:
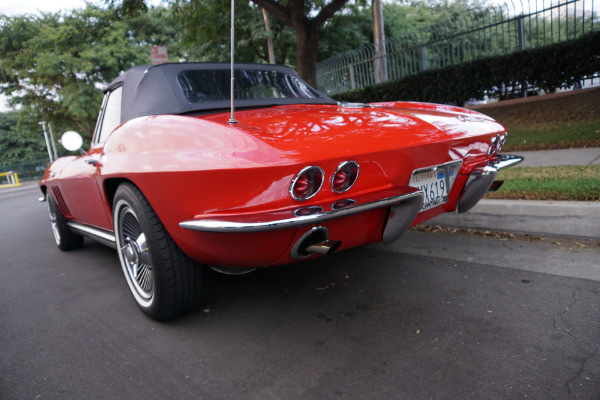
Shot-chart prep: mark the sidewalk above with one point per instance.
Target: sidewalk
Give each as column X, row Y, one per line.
column 554, row 218
column 545, row 158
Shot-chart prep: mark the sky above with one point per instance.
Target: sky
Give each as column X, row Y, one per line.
column 16, row 7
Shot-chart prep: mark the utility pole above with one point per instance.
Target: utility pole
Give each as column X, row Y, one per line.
column 380, row 61
column 52, row 141
column 43, row 124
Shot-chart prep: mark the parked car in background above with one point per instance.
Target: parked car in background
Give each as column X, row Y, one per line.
column 175, row 182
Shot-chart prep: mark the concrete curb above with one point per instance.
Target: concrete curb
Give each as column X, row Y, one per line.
column 553, row 218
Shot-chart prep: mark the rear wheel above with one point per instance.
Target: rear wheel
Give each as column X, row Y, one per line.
column 164, row 282
column 64, row 237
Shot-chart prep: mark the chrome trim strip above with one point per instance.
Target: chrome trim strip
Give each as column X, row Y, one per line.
column 94, row 233
column 228, row 226
column 346, row 104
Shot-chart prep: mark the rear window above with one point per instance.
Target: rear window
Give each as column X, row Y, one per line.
column 200, row 86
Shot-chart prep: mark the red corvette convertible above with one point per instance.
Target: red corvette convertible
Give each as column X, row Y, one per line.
column 173, row 181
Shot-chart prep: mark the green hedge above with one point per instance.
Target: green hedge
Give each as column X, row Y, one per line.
column 550, row 67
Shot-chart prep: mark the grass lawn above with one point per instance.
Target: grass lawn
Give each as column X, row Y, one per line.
column 569, row 120
column 554, row 135
column 573, row 182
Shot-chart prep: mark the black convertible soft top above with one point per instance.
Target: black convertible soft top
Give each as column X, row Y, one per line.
column 181, row 88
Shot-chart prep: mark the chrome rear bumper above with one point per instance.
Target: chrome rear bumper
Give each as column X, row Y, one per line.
column 404, row 208
column 481, row 179
column 404, row 204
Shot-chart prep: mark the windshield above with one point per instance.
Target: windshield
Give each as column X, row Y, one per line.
column 200, row 86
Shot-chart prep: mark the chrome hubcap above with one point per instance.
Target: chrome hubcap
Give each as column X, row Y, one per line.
column 132, row 253
column 135, row 254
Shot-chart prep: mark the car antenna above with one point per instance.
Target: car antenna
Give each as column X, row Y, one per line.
column 232, row 120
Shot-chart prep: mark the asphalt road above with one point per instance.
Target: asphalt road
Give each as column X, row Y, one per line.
column 434, row 316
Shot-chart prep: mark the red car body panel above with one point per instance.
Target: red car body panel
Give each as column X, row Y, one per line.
column 192, row 168
column 182, row 163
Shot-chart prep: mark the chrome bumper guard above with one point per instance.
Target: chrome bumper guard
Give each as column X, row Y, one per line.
column 481, row 179
column 404, row 209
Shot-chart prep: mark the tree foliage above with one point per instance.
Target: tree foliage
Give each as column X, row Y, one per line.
column 348, row 29
column 296, row 27
column 307, row 19
column 310, row 29
column 207, row 32
column 402, row 18
column 352, row 28
column 54, row 64
column 19, row 141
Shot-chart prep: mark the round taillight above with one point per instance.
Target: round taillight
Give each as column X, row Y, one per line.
column 307, row 183
column 494, row 145
column 344, row 176
column 502, row 141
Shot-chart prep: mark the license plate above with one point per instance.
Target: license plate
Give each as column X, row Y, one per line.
column 435, row 183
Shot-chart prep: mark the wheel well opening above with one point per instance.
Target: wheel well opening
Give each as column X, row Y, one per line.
column 110, row 188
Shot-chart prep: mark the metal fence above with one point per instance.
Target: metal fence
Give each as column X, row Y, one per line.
column 27, row 171
column 495, row 31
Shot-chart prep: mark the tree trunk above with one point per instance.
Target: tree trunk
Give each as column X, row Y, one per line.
column 294, row 13
column 307, row 43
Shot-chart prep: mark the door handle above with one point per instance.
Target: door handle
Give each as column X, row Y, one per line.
column 92, row 161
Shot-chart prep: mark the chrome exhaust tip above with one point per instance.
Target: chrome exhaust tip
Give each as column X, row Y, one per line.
column 325, row 247
column 314, row 241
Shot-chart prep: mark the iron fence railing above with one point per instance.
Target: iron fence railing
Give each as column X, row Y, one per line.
column 495, row 31
column 26, row 171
